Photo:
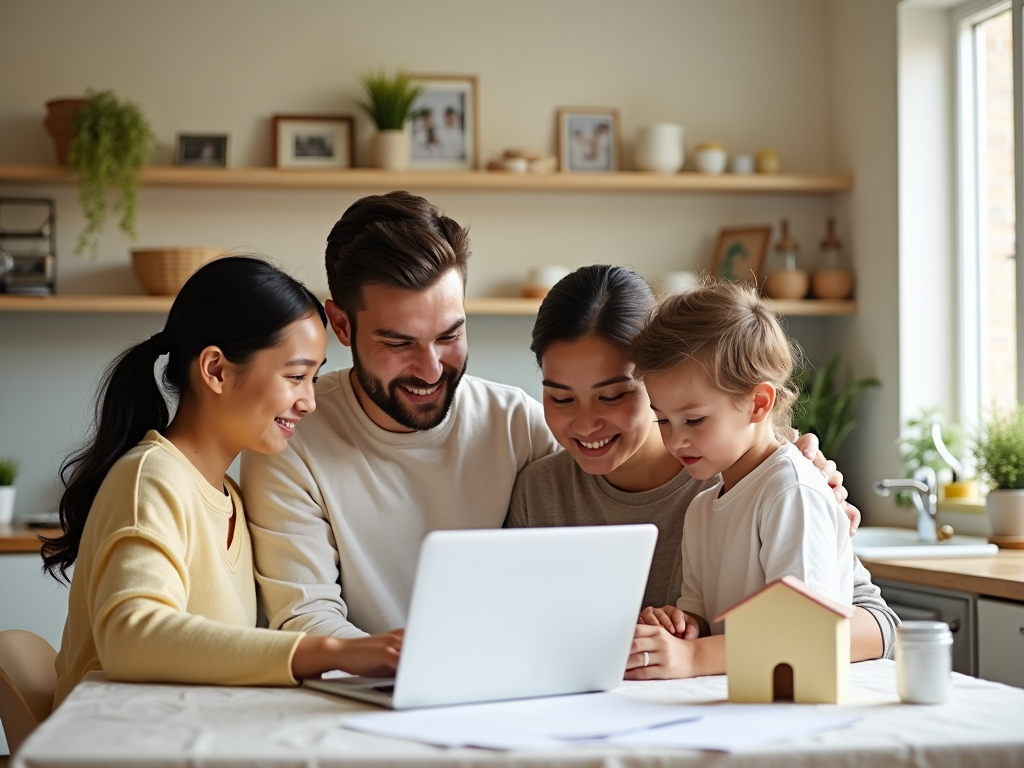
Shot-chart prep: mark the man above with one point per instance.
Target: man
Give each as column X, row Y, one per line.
column 401, row 443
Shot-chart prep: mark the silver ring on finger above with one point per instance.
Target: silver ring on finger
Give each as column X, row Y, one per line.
column 647, row 658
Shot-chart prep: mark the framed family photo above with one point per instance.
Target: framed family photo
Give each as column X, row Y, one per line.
column 314, row 141
column 740, row 253
column 445, row 123
column 202, row 149
column 588, row 140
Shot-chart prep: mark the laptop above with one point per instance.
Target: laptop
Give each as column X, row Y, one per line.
column 512, row 614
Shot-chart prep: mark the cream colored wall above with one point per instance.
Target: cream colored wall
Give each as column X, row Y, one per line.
column 814, row 78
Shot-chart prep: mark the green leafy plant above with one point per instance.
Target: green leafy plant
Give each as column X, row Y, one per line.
column 389, row 99
column 917, row 447
column 998, row 448
column 112, row 140
column 8, row 471
column 825, row 407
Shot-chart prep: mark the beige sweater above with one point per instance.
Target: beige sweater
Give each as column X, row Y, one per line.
column 157, row 593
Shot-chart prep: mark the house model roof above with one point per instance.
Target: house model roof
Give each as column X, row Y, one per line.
column 795, row 584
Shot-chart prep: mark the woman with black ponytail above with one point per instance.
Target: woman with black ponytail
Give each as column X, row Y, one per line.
column 163, row 587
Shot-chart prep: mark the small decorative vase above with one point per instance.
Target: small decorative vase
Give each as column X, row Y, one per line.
column 1005, row 509
column 60, row 123
column 391, row 149
column 831, row 279
column 785, row 279
column 659, row 148
column 6, row 504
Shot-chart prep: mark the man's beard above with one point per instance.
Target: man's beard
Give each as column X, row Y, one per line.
column 422, row 417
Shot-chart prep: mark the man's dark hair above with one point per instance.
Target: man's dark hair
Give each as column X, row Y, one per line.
column 398, row 239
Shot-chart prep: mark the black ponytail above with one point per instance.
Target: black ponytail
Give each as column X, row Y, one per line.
column 612, row 303
column 239, row 304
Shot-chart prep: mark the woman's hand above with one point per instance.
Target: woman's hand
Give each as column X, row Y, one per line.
column 658, row 655
column 808, row 446
column 373, row 656
column 672, row 619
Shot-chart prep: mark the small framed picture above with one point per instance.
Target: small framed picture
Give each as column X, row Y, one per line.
column 314, row 141
column 588, row 140
column 445, row 123
column 740, row 253
column 209, row 149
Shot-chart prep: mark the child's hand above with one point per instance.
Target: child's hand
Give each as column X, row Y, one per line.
column 672, row 619
column 658, row 655
column 373, row 656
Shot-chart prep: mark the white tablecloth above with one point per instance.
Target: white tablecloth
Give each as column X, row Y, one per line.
column 104, row 724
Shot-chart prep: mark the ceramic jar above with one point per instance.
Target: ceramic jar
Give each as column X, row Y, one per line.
column 7, row 493
column 540, row 280
column 710, row 158
column 769, row 161
column 924, row 662
column 659, row 148
column 831, row 278
column 1005, row 509
column 785, row 280
column 742, row 164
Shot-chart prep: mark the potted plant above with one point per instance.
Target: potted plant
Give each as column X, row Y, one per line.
column 388, row 102
column 824, row 407
column 8, row 471
column 111, row 141
column 998, row 449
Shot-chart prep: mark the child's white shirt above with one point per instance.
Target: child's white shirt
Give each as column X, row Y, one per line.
column 780, row 520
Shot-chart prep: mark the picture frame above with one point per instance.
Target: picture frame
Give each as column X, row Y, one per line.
column 589, row 140
column 445, row 123
column 314, row 141
column 739, row 253
column 209, row 150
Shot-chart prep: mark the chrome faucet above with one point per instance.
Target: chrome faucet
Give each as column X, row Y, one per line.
column 923, row 493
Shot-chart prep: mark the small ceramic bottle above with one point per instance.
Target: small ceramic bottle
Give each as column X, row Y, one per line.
column 785, row 279
column 831, row 278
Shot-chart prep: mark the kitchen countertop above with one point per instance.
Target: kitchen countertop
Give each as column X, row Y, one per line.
column 1001, row 575
column 21, row 538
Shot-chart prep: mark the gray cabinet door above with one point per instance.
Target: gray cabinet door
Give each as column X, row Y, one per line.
column 1001, row 641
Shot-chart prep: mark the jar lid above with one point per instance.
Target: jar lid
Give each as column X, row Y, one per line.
column 709, row 145
column 923, row 629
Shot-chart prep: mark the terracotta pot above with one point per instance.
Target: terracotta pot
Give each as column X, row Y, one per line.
column 59, row 122
column 391, row 150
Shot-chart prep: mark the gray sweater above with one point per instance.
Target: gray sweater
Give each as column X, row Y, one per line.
column 554, row 491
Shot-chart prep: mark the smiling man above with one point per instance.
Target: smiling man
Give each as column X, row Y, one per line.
column 402, row 443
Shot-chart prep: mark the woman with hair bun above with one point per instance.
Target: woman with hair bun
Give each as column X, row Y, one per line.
column 163, row 587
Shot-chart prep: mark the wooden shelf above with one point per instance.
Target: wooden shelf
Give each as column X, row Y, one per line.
column 368, row 179
column 482, row 306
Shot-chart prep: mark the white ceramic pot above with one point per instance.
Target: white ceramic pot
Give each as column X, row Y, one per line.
column 742, row 164
column 711, row 159
column 659, row 148
column 6, row 504
column 391, row 150
column 540, row 280
column 1006, row 512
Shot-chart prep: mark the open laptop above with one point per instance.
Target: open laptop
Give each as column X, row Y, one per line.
column 510, row 614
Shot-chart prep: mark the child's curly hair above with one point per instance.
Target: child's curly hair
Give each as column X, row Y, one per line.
column 731, row 334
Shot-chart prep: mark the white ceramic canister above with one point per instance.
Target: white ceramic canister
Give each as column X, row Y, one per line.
column 924, row 662
column 7, row 493
column 711, row 158
column 742, row 163
column 1005, row 509
column 659, row 148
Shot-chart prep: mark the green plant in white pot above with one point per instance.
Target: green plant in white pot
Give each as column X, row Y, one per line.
column 388, row 102
column 998, row 449
column 8, row 471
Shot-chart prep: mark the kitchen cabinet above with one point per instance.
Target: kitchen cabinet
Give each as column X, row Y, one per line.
column 1001, row 641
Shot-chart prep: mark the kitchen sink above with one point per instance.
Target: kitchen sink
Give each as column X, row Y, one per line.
column 901, row 543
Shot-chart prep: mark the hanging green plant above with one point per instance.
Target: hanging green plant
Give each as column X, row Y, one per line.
column 112, row 141
column 388, row 99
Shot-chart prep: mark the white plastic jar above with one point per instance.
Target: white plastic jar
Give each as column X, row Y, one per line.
column 924, row 662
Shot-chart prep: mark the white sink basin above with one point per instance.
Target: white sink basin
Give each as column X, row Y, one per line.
column 901, row 543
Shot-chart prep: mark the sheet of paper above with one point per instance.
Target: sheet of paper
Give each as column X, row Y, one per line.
column 738, row 727
column 548, row 723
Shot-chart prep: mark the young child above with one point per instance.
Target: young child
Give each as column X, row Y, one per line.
column 717, row 368
column 163, row 587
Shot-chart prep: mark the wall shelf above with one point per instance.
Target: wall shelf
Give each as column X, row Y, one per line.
column 368, row 179
column 481, row 306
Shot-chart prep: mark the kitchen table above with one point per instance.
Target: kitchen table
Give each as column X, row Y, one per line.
column 104, row 723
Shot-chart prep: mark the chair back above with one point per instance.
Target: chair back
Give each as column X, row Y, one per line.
column 27, row 683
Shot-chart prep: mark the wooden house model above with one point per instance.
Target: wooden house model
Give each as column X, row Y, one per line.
column 787, row 642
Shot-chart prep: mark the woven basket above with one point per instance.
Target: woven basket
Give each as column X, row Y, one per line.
column 162, row 271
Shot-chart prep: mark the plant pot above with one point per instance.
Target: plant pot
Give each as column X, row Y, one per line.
column 162, row 271
column 390, row 150
column 6, row 504
column 1005, row 510
column 60, row 123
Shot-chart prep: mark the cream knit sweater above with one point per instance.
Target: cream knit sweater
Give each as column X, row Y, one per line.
column 157, row 593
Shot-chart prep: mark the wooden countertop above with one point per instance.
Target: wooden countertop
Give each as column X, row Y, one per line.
column 21, row 538
column 998, row 576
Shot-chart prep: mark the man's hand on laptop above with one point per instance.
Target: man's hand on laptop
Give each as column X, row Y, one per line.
column 674, row 621
column 373, row 656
